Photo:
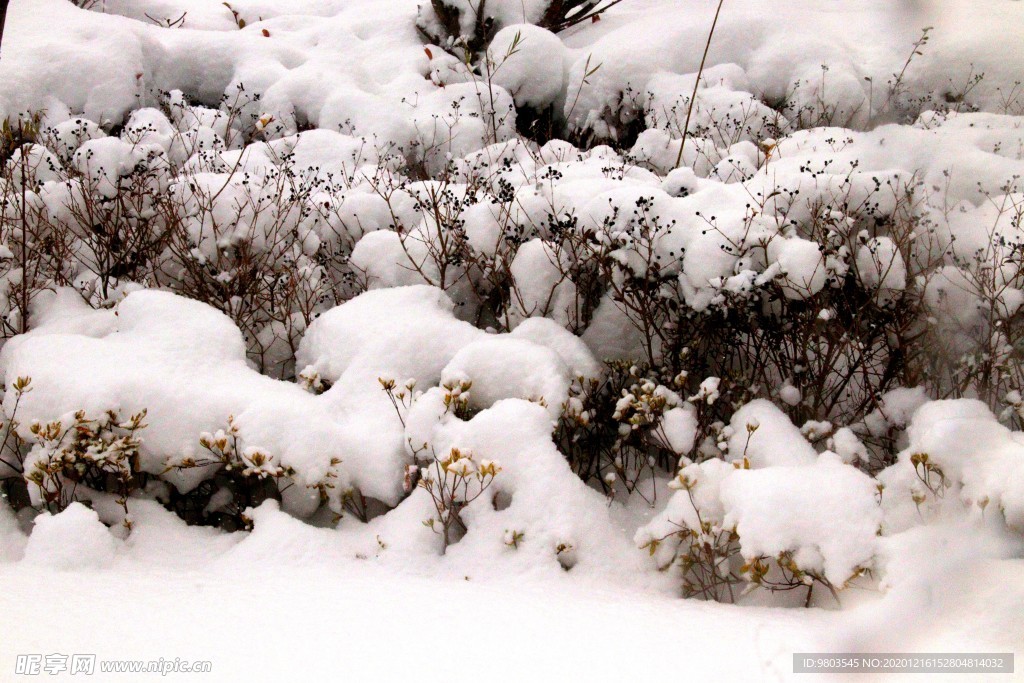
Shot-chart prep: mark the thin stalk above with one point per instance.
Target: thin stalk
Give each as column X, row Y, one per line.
column 696, row 84
column 3, row 18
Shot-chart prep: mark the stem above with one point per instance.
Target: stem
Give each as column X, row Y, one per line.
column 696, row 84
column 3, row 18
column 24, row 218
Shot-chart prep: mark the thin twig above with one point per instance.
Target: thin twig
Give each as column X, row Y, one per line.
column 3, row 18
column 696, row 84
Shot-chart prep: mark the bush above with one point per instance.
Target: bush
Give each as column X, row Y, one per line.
column 50, row 465
column 463, row 25
column 762, row 272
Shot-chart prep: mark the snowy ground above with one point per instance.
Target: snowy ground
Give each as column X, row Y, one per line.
column 264, row 622
column 831, row 158
column 295, row 605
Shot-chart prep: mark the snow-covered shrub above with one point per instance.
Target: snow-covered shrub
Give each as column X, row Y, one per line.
column 453, row 481
column 96, row 453
column 812, row 279
column 245, row 477
column 957, row 455
column 452, row 289
column 723, row 114
column 834, row 540
column 623, row 426
column 690, row 534
column 263, row 235
column 767, row 519
column 534, row 513
column 768, row 296
column 265, row 238
column 530, row 63
column 50, row 465
column 196, row 377
column 470, row 26
column 521, row 62
column 527, row 61
column 252, row 254
column 31, row 253
column 786, row 75
column 974, row 299
column 456, row 25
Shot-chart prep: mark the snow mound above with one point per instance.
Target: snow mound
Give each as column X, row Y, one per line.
column 958, row 445
column 570, row 348
column 502, row 367
column 71, row 540
column 400, row 332
column 529, row 63
column 185, row 363
column 763, row 435
column 826, row 514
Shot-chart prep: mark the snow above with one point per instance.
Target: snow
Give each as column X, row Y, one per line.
column 570, row 348
column 801, row 264
column 764, row 436
column 847, row 446
column 384, row 333
column 73, row 540
column 982, row 460
column 529, row 62
column 501, row 368
column 679, row 426
column 827, row 515
column 953, row 604
column 14, row 540
column 880, row 264
column 388, row 641
column 449, row 337
column 540, row 285
column 185, row 363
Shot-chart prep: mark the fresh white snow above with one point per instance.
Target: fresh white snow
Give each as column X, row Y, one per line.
column 374, row 295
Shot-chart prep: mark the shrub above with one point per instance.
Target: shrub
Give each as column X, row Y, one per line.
column 244, row 477
column 453, row 481
column 469, row 26
column 50, row 465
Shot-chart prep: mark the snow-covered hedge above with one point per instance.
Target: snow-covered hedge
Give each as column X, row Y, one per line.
column 248, row 292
